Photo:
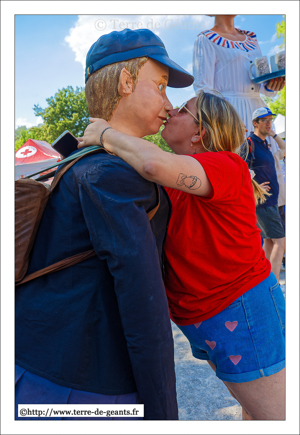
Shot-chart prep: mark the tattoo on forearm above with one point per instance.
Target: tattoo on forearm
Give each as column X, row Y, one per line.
column 190, row 182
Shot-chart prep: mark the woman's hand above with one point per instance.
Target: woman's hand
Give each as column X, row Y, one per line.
column 92, row 132
column 265, row 187
column 276, row 85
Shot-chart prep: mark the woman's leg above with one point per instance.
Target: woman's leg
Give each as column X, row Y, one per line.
column 261, row 399
column 245, row 415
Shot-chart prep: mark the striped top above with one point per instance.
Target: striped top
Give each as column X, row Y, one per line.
column 223, row 65
column 247, row 45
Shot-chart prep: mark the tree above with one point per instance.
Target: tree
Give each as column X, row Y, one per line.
column 277, row 105
column 280, row 29
column 23, row 135
column 67, row 110
column 19, row 130
column 20, row 136
column 158, row 140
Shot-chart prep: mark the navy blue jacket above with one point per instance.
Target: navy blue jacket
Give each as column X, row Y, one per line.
column 102, row 325
column 263, row 164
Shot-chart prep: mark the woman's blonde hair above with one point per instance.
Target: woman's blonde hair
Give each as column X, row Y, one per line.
column 259, row 193
column 224, row 131
column 101, row 90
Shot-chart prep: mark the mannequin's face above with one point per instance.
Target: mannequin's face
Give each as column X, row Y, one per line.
column 144, row 109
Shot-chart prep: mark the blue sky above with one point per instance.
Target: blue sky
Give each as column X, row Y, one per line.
column 50, row 49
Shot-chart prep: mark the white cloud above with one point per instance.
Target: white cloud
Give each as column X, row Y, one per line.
column 189, row 68
column 273, row 39
column 23, row 121
column 89, row 28
column 274, row 50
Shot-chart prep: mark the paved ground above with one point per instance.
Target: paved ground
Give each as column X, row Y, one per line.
column 200, row 394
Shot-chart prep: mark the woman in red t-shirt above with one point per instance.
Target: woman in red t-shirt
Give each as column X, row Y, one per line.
column 221, row 291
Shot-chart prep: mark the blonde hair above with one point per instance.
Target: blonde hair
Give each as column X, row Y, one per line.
column 101, row 90
column 224, row 131
column 259, row 193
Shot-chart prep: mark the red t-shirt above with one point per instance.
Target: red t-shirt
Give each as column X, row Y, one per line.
column 213, row 250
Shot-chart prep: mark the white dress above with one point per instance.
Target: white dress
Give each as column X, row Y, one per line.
column 223, row 65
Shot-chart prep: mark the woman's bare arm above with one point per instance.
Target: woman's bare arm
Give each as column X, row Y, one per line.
column 177, row 171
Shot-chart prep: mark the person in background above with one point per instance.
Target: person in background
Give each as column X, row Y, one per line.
column 262, row 162
column 221, row 60
column 221, row 291
column 99, row 332
column 279, row 156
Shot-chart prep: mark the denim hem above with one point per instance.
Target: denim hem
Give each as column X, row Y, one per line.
column 200, row 355
column 251, row 376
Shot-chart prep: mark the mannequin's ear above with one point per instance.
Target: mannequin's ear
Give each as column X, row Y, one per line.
column 198, row 136
column 125, row 85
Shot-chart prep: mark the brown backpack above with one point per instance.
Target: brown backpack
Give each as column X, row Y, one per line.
column 31, row 197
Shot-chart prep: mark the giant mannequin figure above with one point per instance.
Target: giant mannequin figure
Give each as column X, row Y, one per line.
column 99, row 332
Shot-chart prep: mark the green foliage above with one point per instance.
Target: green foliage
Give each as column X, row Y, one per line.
column 277, row 105
column 19, row 130
column 159, row 141
column 22, row 135
column 66, row 110
column 280, row 29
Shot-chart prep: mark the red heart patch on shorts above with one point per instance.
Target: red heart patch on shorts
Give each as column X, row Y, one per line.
column 231, row 325
column 211, row 344
column 235, row 359
column 197, row 324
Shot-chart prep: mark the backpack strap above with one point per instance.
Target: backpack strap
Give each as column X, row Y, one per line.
column 251, row 149
column 67, row 262
column 77, row 258
column 65, row 168
column 251, row 144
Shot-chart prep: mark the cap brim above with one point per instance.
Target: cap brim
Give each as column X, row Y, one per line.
column 263, row 116
column 178, row 77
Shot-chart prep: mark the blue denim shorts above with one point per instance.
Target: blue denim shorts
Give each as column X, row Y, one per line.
column 269, row 222
column 245, row 341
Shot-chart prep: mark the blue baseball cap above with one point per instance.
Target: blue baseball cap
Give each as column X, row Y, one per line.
column 262, row 112
column 130, row 44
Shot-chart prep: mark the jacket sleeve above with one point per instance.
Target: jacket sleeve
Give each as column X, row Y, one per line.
column 115, row 201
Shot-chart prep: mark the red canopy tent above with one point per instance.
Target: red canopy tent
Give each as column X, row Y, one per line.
column 35, row 151
column 34, row 156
